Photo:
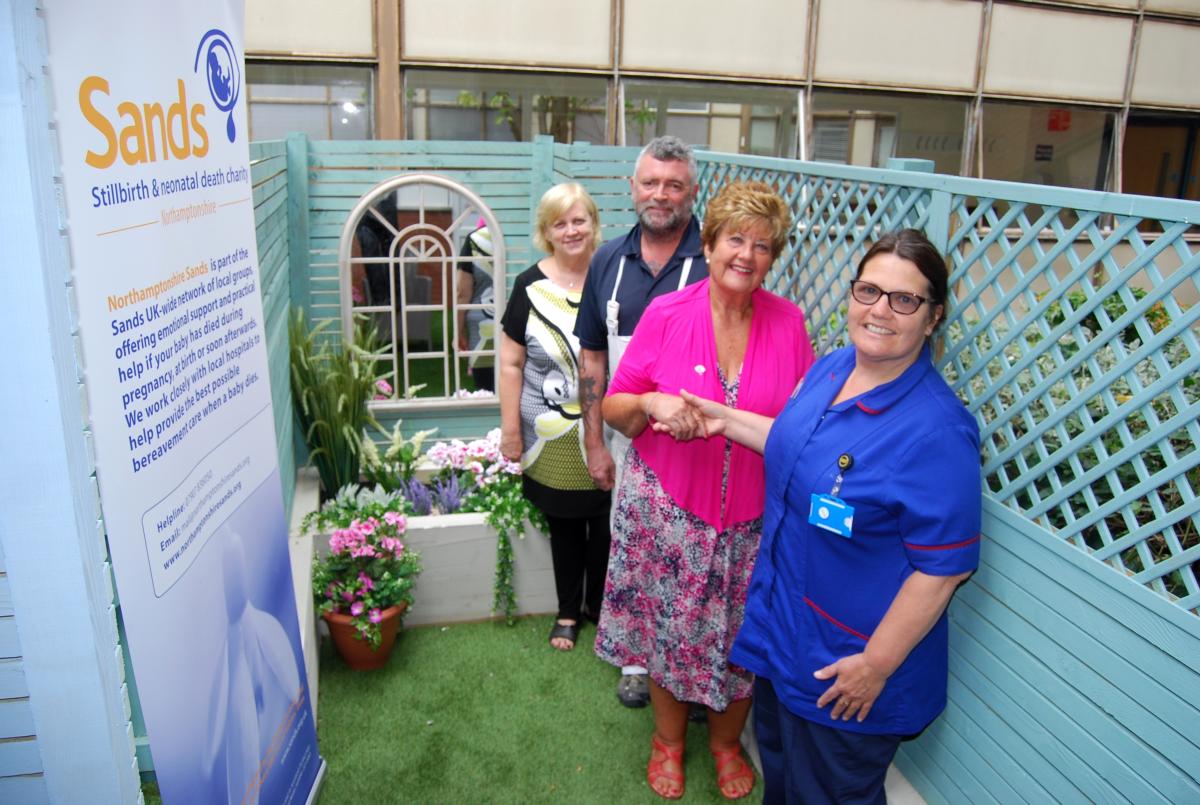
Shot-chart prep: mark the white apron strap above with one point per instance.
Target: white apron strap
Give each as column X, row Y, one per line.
column 683, row 275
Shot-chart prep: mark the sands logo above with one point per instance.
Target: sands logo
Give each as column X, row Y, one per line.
column 224, row 77
column 144, row 131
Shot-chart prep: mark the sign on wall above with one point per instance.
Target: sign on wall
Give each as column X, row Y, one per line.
column 151, row 125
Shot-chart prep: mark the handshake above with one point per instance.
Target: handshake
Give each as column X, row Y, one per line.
column 686, row 416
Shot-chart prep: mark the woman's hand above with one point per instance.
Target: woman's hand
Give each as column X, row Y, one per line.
column 601, row 467
column 856, row 687
column 713, row 415
column 511, row 446
column 671, row 414
column 859, row 678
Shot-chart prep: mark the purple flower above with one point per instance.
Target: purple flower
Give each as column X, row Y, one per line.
column 357, row 608
column 375, row 616
column 367, row 584
column 418, row 495
column 448, row 495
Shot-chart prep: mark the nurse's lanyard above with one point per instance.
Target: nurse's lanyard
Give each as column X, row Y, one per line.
column 830, row 512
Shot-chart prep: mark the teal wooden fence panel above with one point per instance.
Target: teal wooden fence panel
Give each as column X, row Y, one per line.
column 269, row 176
column 20, row 762
column 1067, row 683
column 1073, row 340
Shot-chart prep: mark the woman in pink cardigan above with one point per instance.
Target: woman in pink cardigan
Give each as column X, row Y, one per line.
column 689, row 513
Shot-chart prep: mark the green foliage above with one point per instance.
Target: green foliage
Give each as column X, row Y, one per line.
column 1114, row 308
column 394, row 467
column 330, row 390
column 555, row 113
column 507, row 510
column 641, row 115
column 353, row 502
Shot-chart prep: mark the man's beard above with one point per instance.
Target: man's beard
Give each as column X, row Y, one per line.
column 677, row 219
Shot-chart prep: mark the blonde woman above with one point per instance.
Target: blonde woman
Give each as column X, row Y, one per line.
column 540, row 419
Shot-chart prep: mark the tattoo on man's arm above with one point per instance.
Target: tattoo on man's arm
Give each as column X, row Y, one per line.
column 588, row 394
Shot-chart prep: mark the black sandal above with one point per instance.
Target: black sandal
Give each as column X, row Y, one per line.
column 568, row 631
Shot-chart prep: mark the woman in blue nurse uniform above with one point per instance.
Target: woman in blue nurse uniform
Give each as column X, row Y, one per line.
column 871, row 523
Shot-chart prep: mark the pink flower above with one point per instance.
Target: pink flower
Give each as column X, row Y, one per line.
column 347, row 595
column 356, row 295
column 384, row 387
column 357, row 608
column 375, row 616
column 363, row 528
column 367, row 583
column 396, row 519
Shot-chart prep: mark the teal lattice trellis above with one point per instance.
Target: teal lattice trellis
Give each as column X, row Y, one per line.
column 1073, row 338
column 1076, row 350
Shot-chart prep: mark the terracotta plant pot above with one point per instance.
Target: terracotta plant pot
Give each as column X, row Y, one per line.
column 358, row 654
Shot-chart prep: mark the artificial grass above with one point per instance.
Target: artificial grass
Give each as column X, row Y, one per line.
column 488, row 713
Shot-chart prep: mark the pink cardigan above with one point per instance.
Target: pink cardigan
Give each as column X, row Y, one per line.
column 672, row 342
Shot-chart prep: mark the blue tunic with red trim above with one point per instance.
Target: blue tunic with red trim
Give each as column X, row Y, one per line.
column 815, row 596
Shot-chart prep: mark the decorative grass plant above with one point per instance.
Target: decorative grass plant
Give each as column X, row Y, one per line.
column 331, row 385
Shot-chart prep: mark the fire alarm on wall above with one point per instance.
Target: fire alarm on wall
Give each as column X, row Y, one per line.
column 1059, row 120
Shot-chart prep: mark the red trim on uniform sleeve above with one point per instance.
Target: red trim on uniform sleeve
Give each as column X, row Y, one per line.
column 962, row 544
column 834, row 620
column 869, row 410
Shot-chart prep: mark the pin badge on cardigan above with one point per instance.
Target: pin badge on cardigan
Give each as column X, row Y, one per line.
column 829, row 511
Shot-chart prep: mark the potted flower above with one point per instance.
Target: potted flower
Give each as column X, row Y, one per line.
column 363, row 585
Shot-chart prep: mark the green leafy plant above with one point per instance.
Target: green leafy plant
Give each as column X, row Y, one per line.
column 330, row 389
column 641, row 115
column 1114, row 308
column 555, row 114
column 394, row 466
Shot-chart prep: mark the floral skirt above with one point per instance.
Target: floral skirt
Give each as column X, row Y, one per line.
column 676, row 592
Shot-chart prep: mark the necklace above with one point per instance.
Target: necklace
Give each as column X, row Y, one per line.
column 562, row 277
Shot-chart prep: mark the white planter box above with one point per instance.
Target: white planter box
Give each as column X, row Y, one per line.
column 458, row 557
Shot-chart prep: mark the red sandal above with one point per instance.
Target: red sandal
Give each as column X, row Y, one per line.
column 727, row 758
column 656, row 771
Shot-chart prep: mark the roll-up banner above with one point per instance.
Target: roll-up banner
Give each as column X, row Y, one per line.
column 150, row 114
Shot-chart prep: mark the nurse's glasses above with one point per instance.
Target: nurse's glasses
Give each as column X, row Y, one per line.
column 902, row 302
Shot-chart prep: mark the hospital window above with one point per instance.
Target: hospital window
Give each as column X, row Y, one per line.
column 504, row 107
column 325, row 102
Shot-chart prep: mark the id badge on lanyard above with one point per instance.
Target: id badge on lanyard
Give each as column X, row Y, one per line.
column 829, row 512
